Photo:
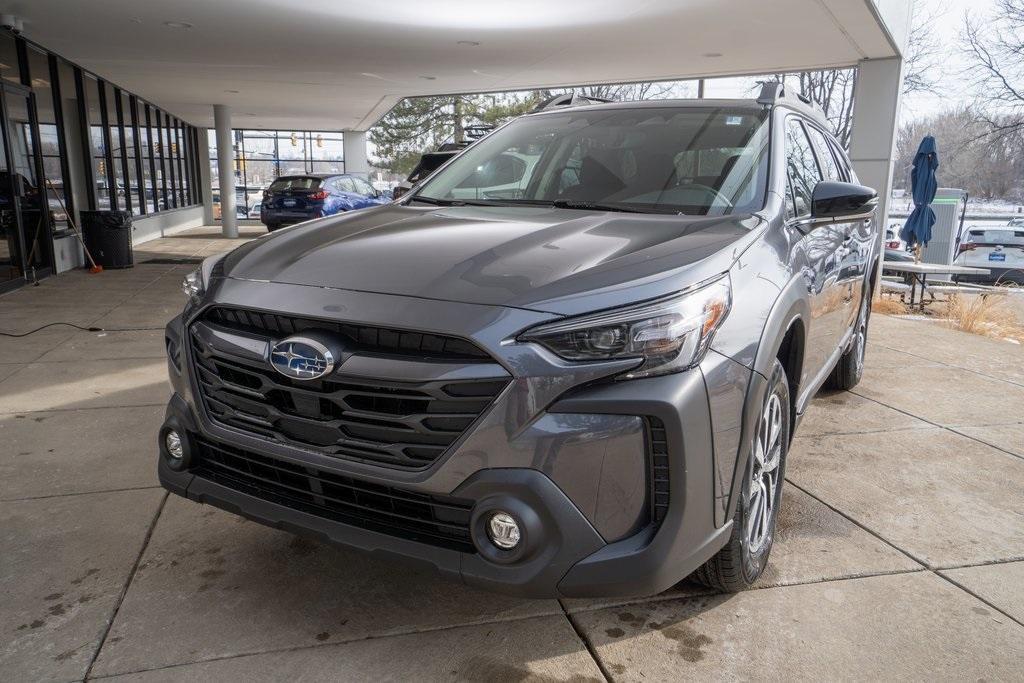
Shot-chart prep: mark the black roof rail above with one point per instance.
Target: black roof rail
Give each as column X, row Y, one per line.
column 773, row 92
column 569, row 99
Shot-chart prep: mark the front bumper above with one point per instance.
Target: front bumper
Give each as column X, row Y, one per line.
column 543, row 456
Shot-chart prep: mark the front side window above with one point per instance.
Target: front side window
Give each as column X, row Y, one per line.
column 363, row 187
column 825, row 155
column 801, row 167
column 693, row 160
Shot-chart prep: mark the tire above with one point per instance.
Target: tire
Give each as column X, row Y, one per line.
column 850, row 367
column 736, row 566
column 271, row 227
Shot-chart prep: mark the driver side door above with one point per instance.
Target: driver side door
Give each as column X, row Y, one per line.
column 821, row 247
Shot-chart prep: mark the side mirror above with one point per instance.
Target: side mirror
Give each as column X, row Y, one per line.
column 835, row 200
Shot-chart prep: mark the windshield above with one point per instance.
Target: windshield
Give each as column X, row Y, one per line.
column 295, row 183
column 693, row 160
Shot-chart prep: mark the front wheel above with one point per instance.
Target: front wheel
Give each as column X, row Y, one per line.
column 736, row 566
column 850, row 368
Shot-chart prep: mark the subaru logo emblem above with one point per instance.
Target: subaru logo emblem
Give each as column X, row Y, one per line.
column 301, row 358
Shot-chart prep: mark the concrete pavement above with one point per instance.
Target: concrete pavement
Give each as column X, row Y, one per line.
column 900, row 552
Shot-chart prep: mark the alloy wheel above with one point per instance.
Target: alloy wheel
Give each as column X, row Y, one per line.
column 764, row 481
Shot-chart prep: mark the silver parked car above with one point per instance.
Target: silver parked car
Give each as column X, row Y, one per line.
column 579, row 381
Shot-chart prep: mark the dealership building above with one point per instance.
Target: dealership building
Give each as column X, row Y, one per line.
column 147, row 109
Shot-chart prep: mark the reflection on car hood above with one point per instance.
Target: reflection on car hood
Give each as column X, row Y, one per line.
column 525, row 257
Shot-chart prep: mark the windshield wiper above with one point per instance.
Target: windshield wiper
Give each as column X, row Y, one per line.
column 584, row 205
column 456, row 202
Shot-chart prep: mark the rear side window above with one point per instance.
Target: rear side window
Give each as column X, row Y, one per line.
column 1015, row 237
column 363, row 187
column 801, row 167
column 829, row 167
column 295, row 183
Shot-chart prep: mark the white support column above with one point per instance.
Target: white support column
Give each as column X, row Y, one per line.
column 205, row 177
column 225, row 170
column 355, row 152
column 873, row 138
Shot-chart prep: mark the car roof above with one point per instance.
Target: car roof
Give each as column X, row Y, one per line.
column 321, row 176
column 752, row 105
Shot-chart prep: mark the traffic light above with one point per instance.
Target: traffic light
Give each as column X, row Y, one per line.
column 295, row 140
column 319, row 140
column 102, row 168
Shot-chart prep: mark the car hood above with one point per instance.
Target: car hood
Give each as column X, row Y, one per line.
column 537, row 258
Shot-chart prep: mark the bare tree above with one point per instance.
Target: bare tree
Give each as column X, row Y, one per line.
column 923, row 56
column 990, row 168
column 996, row 50
column 833, row 89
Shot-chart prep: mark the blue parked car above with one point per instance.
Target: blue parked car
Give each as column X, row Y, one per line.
column 297, row 198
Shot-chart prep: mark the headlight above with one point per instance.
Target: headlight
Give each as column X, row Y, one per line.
column 194, row 284
column 669, row 334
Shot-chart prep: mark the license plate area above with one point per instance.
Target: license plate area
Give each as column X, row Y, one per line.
column 997, row 256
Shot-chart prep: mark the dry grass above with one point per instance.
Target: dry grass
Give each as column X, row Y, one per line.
column 987, row 315
column 888, row 305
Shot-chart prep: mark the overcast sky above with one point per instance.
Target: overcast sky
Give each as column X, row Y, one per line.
column 953, row 89
column 947, row 74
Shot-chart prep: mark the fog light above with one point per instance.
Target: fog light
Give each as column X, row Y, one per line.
column 503, row 530
column 173, row 443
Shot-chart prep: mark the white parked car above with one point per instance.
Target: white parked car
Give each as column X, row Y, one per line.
column 1001, row 250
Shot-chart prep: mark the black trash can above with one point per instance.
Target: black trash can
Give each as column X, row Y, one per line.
column 108, row 236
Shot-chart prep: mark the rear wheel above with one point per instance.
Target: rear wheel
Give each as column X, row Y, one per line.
column 736, row 566
column 271, row 227
column 850, row 368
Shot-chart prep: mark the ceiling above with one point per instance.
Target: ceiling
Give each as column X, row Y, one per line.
column 341, row 64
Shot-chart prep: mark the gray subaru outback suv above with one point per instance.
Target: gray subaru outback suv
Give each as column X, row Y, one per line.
column 568, row 363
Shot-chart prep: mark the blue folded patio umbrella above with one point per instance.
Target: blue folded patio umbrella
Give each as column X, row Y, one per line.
column 918, row 229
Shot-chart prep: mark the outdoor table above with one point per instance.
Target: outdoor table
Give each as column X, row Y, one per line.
column 919, row 273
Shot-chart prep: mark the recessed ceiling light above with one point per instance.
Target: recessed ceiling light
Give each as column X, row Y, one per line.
column 177, row 24
column 712, row 54
column 429, row 78
column 470, row 43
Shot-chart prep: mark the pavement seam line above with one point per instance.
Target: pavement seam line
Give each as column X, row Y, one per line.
column 317, row 646
column 662, row 597
column 127, row 585
column 591, row 650
column 859, row 524
column 986, row 563
column 958, row 367
column 929, row 568
column 941, row 426
column 80, row 493
column 437, row 629
column 68, row 410
column 967, row 590
column 867, row 431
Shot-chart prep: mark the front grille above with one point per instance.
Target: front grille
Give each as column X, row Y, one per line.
column 401, row 424
column 441, row 521
column 657, row 447
column 355, row 337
